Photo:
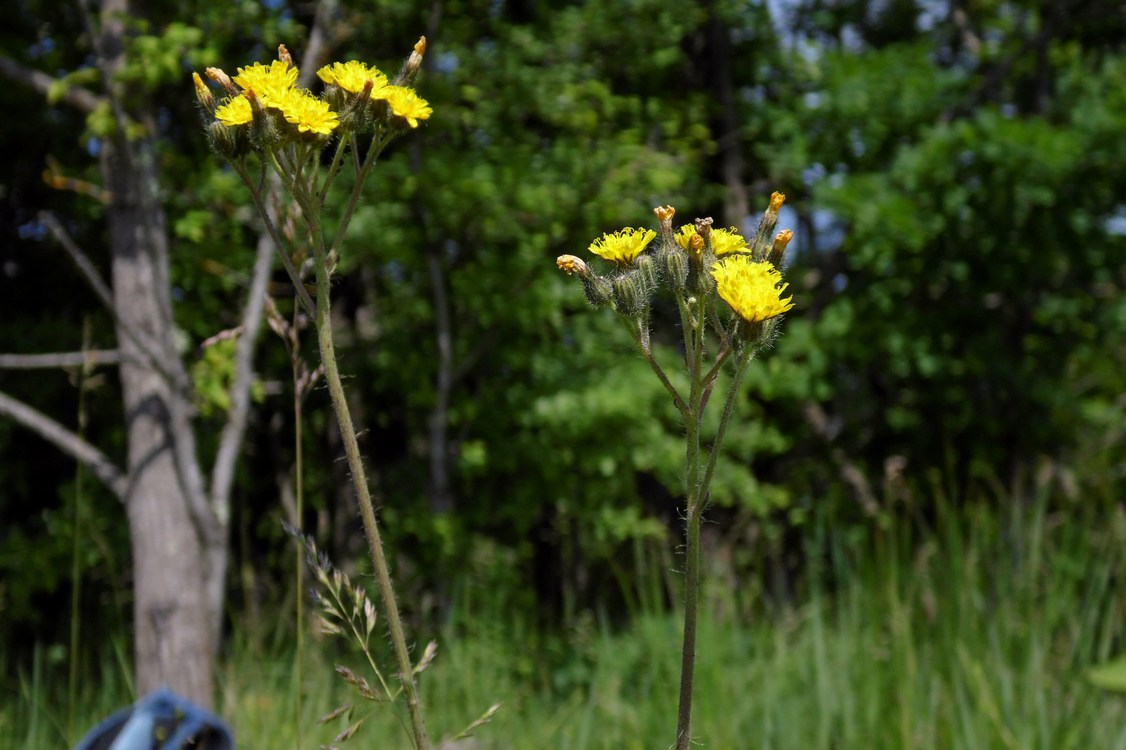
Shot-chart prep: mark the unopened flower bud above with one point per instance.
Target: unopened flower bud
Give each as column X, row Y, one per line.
column 647, row 270
column 230, row 143
column 760, row 246
column 571, row 265
column 779, row 247
column 224, row 80
column 284, row 56
column 675, row 267
column 696, row 247
column 599, row 291
column 203, row 94
column 664, row 216
column 413, row 64
column 264, row 132
column 631, row 293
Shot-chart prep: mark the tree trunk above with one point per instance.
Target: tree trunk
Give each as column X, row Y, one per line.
column 179, row 547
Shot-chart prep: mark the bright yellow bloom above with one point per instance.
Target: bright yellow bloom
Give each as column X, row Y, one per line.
column 307, row 112
column 236, row 111
column 624, row 245
column 352, row 76
column 724, row 241
column 406, row 103
column 269, row 83
column 727, row 241
column 752, row 289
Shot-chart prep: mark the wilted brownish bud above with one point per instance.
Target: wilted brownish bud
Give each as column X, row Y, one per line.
column 704, row 228
column 224, row 80
column 284, row 56
column 776, row 200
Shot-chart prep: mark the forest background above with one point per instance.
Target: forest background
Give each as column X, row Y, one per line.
column 947, row 398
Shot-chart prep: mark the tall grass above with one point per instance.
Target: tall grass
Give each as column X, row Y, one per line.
column 972, row 635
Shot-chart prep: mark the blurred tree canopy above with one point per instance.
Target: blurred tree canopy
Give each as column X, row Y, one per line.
column 953, row 175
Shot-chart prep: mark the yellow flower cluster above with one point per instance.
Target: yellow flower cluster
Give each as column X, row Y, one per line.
column 744, row 274
column 355, row 77
column 273, row 88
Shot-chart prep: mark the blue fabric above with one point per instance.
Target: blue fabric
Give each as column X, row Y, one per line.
column 161, row 720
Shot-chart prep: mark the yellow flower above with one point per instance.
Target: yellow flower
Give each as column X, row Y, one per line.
column 235, row 112
column 307, row 112
column 684, row 234
column 624, row 245
column 406, row 103
column 727, row 241
column 270, row 83
column 752, row 289
column 724, row 241
column 352, row 76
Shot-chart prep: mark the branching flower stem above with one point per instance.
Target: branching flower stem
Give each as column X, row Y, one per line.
column 310, row 207
column 279, row 243
column 310, row 201
column 643, row 346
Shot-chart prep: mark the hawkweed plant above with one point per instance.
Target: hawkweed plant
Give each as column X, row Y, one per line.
column 262, row 123
column 701, row 267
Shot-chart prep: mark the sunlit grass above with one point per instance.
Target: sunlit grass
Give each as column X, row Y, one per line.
column 974, row 636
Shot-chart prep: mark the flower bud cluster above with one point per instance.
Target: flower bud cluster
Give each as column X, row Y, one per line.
column 694, row 261
column 262, row 106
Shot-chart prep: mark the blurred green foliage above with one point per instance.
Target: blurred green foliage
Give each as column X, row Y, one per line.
column 955, row 185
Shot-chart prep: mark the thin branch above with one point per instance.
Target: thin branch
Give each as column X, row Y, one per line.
column 223, row 471
column 105, row 296
column 85, row 265
column 66, row 441
column 76, row 96
column 92, row 357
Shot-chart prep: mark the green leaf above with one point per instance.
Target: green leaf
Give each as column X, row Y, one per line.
column 1109, row 676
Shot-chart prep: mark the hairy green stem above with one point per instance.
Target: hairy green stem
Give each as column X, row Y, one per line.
column 725, row 418
column 299, row 491
column 643, row 346
column 694, row 346
column 279, row 243
column 363, row 494
column 691, row 588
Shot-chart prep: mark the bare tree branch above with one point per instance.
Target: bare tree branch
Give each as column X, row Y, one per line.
column 75, row 96
column 66, row 441
column 92, row 357
column 85, row 265
column 320, row 43
column 105, row 296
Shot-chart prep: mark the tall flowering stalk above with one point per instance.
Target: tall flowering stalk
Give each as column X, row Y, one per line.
column 700, row 266
column 263, row 118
